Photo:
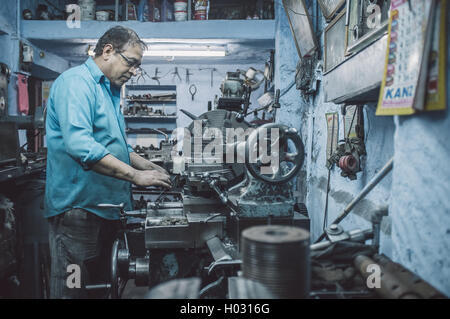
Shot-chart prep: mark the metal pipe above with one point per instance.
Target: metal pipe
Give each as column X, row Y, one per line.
column 18, row 20
column 373, row 182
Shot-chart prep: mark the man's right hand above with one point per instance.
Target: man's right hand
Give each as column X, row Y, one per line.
column 151, row 178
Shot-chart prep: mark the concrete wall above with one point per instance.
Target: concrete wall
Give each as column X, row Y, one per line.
column 417, row 231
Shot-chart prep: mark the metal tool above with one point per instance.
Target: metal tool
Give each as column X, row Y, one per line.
column 212, row 74
column 156, row 77
column 187, row 75
column 141, row 75
column 337, row 234
column 176, row 74
column 193, row 90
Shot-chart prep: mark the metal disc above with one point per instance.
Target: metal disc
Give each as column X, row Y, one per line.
column 277, row 257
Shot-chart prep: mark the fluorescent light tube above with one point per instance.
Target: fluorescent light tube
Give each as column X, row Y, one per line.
column 189, row 53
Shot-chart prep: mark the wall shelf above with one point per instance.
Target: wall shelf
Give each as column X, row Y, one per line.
column 139, row 126
column 206, row 29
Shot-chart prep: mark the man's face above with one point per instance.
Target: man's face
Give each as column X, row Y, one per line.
column 125, row 64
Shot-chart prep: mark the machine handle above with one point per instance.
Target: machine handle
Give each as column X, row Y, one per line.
column 279, row 175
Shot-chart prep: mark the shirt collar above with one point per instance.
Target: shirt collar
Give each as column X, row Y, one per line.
column 96, row 73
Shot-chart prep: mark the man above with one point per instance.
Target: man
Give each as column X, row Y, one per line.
column 89, row 162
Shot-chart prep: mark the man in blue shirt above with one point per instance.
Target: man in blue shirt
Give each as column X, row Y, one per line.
column 89, row 161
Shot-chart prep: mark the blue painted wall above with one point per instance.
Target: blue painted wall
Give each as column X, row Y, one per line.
column 417, row 231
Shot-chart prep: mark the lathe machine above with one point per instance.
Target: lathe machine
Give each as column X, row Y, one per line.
column 233, row 175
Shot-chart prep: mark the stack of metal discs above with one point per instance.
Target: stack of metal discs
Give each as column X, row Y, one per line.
column 277, row 257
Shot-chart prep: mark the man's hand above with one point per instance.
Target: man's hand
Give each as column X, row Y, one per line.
column 157, row 167
column 111, row 166
column 151, row 178
column 140, row 163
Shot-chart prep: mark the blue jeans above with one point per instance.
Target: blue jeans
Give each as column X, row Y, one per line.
column 81, row 238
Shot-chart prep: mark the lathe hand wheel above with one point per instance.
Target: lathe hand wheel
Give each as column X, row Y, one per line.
column 117, row 282
column 115, row 270
column 273, row 173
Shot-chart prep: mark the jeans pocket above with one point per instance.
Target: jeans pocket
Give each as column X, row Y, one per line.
column 81, row 225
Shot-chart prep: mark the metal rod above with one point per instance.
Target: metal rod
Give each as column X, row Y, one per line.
column 190, row 115
column 373, row 182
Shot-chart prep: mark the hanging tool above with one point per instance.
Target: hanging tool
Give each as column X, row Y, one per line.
column 141, row 75
column 176, row 74
column 187, row 75
column 156, row 77
column 192, row 90
column 212, row 74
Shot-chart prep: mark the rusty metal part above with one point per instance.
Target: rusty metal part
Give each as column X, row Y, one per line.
column 348, row 163
column 391, row 287
column 414, row 282
column 277, row 257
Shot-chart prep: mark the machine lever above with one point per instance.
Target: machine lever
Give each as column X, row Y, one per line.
column 222, row 263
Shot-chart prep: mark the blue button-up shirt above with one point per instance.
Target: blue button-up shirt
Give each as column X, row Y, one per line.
column 84, row 124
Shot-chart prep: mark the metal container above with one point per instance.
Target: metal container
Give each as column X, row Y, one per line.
column 102, row 15
column 87, row 8
column 278, row 258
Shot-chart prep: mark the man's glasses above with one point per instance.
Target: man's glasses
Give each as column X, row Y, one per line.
column 131, row 64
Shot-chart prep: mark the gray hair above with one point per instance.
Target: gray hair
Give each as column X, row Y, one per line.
column 119, row 37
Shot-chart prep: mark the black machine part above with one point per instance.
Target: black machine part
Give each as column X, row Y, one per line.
column 296, row 157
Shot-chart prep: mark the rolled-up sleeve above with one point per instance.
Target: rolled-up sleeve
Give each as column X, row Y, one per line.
column 73, row 102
